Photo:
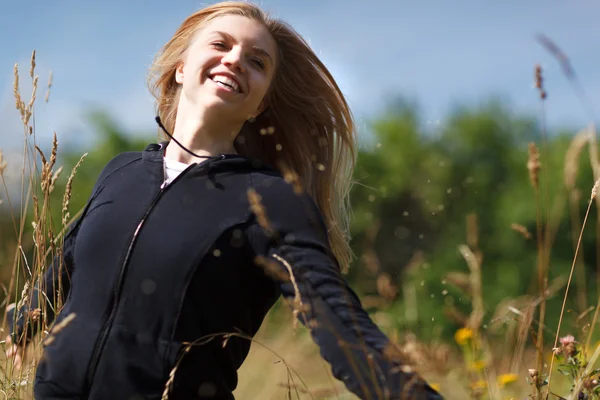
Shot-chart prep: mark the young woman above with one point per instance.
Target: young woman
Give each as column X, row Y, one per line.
column 198, row 236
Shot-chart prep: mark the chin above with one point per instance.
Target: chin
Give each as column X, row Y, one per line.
column 221, row 108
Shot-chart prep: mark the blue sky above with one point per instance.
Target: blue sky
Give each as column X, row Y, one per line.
column 439, row 53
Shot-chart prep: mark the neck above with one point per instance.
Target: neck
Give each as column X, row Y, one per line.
column 202, row 135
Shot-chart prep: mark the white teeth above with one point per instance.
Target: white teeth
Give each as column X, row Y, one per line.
column 223, row 85
column 230, row 83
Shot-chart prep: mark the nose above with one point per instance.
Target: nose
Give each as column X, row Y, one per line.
column 234, row 59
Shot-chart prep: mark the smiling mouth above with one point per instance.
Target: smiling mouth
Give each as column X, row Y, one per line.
column 226, row 83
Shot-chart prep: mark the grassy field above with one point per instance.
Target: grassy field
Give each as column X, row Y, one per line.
column 479, row 363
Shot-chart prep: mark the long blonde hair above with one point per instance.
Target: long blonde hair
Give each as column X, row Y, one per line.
column 307, row 128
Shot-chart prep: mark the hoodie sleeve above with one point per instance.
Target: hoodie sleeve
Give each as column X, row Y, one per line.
column 295, row 241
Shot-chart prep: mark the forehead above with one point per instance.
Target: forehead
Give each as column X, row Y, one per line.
column 242, row 29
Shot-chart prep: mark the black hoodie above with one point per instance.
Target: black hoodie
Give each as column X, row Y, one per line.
column 149, row 269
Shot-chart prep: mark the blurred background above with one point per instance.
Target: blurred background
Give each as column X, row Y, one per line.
column 445, row 99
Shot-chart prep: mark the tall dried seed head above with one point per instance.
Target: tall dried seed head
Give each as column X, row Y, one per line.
column 533, row 165
column 2, row 163
column 47, row 97
column 291, row 177
column 572, row 158
column 54, row 151
column 32, row 67
column 68, row 188
column 258, row 209
column 17, row 93
column 539, row 82
column 595, row 190
column 521, row 229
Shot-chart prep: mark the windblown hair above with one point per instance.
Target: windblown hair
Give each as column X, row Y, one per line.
column 307, row 129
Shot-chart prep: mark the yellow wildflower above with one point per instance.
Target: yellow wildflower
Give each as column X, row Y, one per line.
column 463, row 335
column 477, row 365
column 480, row 384
column 505, row 379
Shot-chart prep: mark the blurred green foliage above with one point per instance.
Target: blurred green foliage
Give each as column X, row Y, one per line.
column 416, row 184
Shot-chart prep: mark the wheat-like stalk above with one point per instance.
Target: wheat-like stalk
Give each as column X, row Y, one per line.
column 259, row 211
column 534, row 165
column 68, row 189
column 58, row 327
column 577, row 145
column 49, row 86
column 593, row 195
column 20, row 104
column 3, row 163
column 522, row 230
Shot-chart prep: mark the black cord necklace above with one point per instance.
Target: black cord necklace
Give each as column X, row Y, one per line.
column 159, row 122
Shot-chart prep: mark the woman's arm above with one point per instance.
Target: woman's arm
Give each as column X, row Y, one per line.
column 295, row 248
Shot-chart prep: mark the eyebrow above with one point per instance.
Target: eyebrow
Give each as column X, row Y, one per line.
column 256, row 49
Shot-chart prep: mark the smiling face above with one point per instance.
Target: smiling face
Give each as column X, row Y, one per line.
column 228, row 68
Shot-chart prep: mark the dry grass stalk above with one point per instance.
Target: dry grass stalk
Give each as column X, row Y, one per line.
column 31, row 103
column 539, row 82
column 460, row 280
column 292, row 178
column 32, row 65
column 59, row 327
column 595, row 190
column 478, row 311
column 593, row 195
column 533, row 165
column 522, row 335
column 54, row 178
column 259, row 210
column 571, row 169
column 210, row 337
column 472, row 231
column 68, row 189
column 3, row 163
column 369, row 257
column 47, row 166
column 522, row 230
column 297, row 304
column 572, row 157
column 169, row 384
column 386, row 287
column 20, row 104
column 47, row 97
column 562, row 58
column 271, row 268
column 428, row 357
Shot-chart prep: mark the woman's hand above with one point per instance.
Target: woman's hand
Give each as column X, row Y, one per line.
column 14, row 351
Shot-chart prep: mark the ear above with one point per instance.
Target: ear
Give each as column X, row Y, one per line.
column 179, row 73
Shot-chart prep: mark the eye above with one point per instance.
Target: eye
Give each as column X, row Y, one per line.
column 219, row 45
column 258, row 62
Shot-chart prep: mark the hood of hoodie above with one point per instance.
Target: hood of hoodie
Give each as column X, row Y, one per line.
column 221, row 163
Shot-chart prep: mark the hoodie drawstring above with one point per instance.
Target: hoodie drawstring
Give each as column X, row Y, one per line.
column 160, row 124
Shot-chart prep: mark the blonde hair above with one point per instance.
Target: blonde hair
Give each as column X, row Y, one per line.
column 307, row 130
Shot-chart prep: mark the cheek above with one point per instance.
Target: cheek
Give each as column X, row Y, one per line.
column 262, row 86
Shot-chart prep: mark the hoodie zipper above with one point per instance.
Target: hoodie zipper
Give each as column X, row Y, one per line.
column 101, row 342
